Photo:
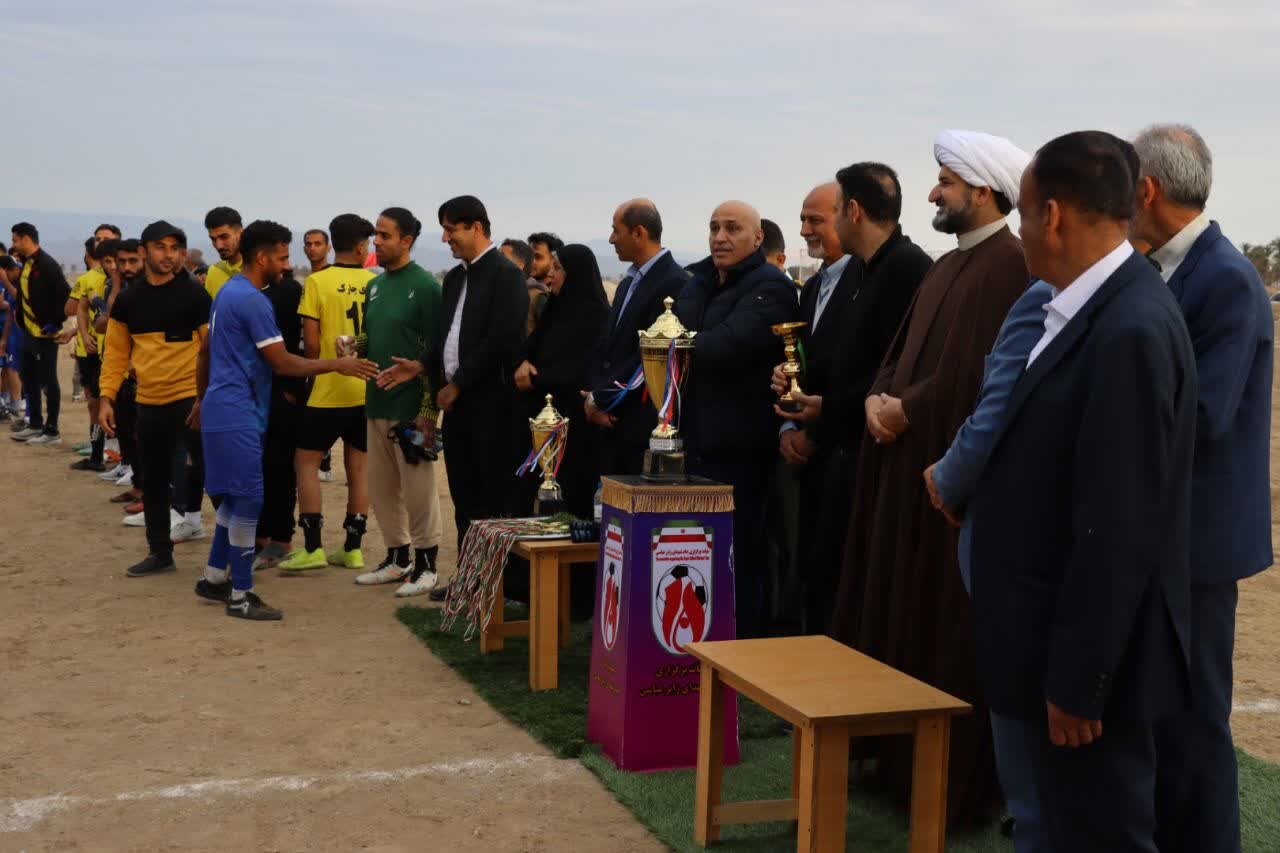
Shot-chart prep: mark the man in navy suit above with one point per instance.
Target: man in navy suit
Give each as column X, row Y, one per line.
column 1229, row 318
column 615, row 400
column 1080, row 539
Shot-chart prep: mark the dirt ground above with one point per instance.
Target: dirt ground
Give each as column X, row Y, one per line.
column 136, row 717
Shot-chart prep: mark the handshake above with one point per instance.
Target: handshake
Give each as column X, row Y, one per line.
column 345, row 345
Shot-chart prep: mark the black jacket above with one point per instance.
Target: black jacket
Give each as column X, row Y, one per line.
column 493, row 329
column 728, row 401
column 617, row 352
column 48, row 291
column 1081, row 543
column 285, row 297
column 876, row 304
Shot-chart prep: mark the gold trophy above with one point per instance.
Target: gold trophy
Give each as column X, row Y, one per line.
column 791, row 366
column 666, row 340
column 550, row 430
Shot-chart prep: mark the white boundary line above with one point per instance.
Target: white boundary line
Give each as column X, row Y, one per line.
column 1263, row 706
column 24, row 815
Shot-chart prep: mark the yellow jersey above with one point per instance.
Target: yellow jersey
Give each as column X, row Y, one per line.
column 28, row 313
column 335, row 298
column 90, row 284
column 219, row 274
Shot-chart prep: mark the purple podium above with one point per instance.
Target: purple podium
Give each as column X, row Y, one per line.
column 664, row 578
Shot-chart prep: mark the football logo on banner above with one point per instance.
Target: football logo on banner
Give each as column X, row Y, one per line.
column 681, row 584
column 611, row 595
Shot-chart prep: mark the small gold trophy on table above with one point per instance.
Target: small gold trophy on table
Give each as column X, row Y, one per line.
column 666, row 351
column 791, row 366
column 550, row 431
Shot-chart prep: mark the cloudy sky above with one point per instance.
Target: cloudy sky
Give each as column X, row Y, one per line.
column 554, row 111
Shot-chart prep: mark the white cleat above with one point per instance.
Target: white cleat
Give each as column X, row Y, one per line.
column 421, row 586
column 386, row 573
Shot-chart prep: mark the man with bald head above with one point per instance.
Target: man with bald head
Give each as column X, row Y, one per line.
column 731, row 432
column 653, row 276
column 900, row 597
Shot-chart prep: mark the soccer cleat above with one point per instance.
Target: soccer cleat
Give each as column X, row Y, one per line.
column 47, row 439
column 424, row 584
column 88, row 465
column 253, row 608
column 326, row 476
column 26, row 434
column 185, row 531
column 303, row 560
column 151, row 565
column 388, row 572
column 353, row 559
column 219, row 592
column 134, row 519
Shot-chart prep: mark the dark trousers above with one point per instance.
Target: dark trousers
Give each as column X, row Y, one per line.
column 40, row 373
column 279, row 482
column 1197, row 788
column 162, row 431
column 126, row 409
column 479, row 456
column 1101, row 796
column 826, row 499
column 750, row 481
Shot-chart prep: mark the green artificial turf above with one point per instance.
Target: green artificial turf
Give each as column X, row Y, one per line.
column 664, row 801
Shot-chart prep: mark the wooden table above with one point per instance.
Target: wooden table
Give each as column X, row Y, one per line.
column 829, row 693
column 548, row 624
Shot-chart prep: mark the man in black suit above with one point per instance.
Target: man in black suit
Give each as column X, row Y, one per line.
column 471, row 360
column 1081, row 585
column 732, row 300
column 615, row 401
column 861, row 316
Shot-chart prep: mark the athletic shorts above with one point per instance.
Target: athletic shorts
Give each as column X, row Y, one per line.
column 233, row 463
column 90, row 372
column 319, row 428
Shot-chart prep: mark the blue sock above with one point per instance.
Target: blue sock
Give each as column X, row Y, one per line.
column 244, row 512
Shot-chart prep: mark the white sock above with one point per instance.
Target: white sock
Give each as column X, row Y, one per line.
column 218, row 576
column 239, row 594
column 192, row 518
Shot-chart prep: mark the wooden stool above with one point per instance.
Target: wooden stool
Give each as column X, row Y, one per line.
column 548, row 624
column 829, row 693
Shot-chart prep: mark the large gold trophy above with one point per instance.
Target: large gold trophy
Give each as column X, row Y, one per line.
column 666, row 351
column 550, row 431
column 791, row 365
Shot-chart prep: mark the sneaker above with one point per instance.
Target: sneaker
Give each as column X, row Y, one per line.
column 424, row 584
column 88, row 465
column 326, row 476
column 388, row 572
column 46, row 438
column 112, row 474
column 219, row 592
column 77, row 397
column 125, row 480
column 82, row 447
column 353, row 559
column 126, row 497
column 86, row 452
column 303, row 560
column 253, row 608
column 270, row 556
column 19, row 424
column 134, row 508
column 151, row 565
column 185, row 531
column 134, row 519
column 26, row 433
column 440, row 593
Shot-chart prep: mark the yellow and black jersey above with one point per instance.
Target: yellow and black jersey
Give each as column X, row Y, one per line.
column 335, row 298
column 159, row 328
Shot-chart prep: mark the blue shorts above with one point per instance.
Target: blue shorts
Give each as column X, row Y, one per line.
column 233, row 463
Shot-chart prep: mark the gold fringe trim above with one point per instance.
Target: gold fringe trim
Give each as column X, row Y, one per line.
column 667, row 497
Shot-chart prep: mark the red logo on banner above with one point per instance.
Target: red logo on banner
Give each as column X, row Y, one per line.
column 681, row 575
column 611, row 595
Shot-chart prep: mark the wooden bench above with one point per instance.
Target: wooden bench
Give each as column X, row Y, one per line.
column 829, row 693
column 548, row 624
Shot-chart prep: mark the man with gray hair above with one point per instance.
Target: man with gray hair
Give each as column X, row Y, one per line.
column 1229, row 318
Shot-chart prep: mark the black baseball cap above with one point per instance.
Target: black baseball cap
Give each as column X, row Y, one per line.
column 160, row 229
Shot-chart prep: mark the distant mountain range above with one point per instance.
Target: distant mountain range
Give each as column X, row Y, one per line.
column 62, row 235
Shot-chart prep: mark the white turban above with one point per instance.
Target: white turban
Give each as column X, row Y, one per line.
column 982, row 160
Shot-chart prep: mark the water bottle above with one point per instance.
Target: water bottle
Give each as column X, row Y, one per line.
column 597, row 503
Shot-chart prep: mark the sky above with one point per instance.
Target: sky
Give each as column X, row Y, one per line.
column 553, row 112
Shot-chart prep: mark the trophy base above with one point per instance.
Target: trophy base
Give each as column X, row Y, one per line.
column 789, row 405
column 549, row 503
column 664, row 466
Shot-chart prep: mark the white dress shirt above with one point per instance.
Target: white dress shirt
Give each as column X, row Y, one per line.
column 451, row 357
column 1066, row 303
column 636, row 274
column 1171, row 255
column 826, row 286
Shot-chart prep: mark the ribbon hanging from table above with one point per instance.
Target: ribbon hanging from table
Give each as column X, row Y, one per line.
column 474, row 589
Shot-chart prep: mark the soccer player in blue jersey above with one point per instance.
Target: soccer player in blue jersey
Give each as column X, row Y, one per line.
column 242, row 350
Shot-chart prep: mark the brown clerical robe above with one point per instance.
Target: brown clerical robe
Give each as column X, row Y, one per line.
column 901, row 598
